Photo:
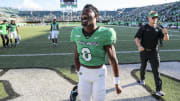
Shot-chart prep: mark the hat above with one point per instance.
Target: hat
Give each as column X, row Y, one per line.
column 153, row 14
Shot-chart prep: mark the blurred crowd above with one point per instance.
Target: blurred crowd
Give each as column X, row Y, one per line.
column 167, row 13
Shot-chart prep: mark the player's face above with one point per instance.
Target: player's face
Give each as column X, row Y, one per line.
column 54, row 21
column 153, row 20
column 12, row 22
column 88, row 17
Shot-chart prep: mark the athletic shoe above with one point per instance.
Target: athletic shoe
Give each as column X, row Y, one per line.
column 160, row 93
column 15, row 45
column 54, row 45
column 18, row 42
column 11, row 46
column 142, row 82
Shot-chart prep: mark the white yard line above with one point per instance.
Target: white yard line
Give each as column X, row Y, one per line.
column 175, row 50
column 48, row 54
column 61, row 54
column 46, row 42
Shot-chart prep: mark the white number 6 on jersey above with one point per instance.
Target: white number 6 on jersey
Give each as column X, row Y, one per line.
column 86, row 54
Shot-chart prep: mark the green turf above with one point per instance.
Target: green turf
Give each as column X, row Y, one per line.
column 170, row 87
column 3, row 93
column 35, row 42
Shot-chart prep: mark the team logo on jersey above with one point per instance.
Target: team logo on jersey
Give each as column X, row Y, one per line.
column 88, row 43
column 78, row 36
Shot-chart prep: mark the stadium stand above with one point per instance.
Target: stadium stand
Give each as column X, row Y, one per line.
column 169, row 15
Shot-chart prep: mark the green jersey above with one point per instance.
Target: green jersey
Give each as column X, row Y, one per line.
column 54, row 26
column 12, row 27
column 91, row 50
column 3, row 28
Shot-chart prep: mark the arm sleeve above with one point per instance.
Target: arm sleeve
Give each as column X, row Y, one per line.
column 139, row 33
column 110, row 37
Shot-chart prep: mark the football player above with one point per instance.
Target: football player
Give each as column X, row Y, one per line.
column 12, row 27
column 54, row 32
column 4, row 34
column 91, row 45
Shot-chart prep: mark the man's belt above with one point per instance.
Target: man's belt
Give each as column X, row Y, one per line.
column 149, row 50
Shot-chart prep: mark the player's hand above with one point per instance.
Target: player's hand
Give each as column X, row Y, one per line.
column 140, row 49
column 78, row 69
column 118, row 89
column 164, row 30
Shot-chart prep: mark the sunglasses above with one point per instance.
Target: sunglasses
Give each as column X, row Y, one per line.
column 154, row 17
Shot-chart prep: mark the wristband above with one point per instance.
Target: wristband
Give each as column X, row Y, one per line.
column 116, row 80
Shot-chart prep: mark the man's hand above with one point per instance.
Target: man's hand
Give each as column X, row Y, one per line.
column 77, row 69
column 118, row 89
column 164, row 30
column 140, row 49
column 166, row 36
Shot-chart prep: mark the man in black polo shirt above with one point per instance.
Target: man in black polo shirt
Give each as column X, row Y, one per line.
column 147, row 42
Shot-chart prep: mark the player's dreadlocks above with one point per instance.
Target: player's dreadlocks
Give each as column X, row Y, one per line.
column 93, row 8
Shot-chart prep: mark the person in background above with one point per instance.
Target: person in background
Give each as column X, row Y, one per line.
column 54, row 32
column 4, row 34
column 13, row 30
column 146, row 40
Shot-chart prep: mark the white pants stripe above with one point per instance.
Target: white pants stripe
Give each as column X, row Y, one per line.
column 92, row 84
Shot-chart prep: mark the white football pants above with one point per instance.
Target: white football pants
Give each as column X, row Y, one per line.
column 54, row 34
column 92, row 84
column 13, row 35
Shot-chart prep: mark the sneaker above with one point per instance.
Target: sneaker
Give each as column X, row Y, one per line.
column 15, row 45
column 11, row 46
column 54, row 45
column 142, row 82
column 18, row 42
column 159, row 93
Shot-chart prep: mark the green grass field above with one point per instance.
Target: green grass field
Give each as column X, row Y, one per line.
column 35, row 41
column 3, row 93
column 170, row 87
